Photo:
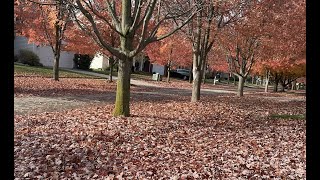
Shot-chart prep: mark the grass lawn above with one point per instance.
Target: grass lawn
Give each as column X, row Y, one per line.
column 23, row 70
column 106, row 72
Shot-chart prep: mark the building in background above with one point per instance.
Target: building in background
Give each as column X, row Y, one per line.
column 100, row 62
column 140, row 63
column 44, row 52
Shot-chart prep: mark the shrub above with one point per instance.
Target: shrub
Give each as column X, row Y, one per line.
column 29, row 57
column 82, row 61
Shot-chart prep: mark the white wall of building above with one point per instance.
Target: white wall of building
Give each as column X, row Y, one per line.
column 44, row 52
column 99, row 61
column 158, row 69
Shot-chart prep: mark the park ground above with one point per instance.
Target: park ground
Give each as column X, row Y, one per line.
column 65, row 130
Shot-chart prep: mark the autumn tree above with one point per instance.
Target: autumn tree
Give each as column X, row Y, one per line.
column 173, row 51
column 44, row 23
column 136, row 24
column 284, row 47
column 78, row 41
column 202, row 31
column 242, row 43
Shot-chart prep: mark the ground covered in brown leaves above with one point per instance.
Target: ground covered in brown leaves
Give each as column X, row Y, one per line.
column 221, row 137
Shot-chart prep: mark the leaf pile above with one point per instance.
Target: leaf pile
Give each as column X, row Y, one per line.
column 220, row 137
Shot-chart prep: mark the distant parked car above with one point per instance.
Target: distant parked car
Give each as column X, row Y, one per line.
column 180, row 73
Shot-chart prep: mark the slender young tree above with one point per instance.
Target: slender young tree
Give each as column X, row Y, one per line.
column 44, row 23
column 202, row 31
column 78, row 41
column 173, row 51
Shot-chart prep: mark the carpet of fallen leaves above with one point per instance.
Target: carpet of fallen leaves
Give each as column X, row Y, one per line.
column 220, row 137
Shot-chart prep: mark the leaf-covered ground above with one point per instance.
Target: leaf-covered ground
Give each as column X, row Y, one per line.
column 221, row 137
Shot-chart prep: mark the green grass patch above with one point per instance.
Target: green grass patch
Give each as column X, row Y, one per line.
column 142, row 75
column 24, row 70
column 105, row 72
column 288, row 116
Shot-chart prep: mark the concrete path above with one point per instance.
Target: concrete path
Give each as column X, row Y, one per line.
column 143, row 83
column 134, row 82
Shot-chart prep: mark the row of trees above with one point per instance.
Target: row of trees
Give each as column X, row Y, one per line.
column 245, row 34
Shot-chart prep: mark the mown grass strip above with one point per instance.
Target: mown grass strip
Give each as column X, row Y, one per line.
column 24, row 70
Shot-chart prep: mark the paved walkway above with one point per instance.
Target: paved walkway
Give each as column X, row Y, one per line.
column 134, row 82
column 144, row 83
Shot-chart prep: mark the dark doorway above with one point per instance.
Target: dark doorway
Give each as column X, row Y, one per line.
column 146, row 66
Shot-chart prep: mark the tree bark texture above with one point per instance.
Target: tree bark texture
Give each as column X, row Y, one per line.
column 123, row 89
column 267, row 81
column 240, row 86
column 196, row 86
column 56, row 68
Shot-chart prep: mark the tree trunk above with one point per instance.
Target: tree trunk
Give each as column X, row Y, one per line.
column 190, row 75
column 111, row 65
column 240, row 86
column 123, row 89
column 252, row 80
column 275, row 87
column 196, row 85
column 110, row 71
column 234, row 80
column 56, row 67
column 196, row 60
column 282, row 85
column 229, row 79
column 293, row 85
column 122, row 106
column 267, row 82
column 204, row 70
column 168, row 74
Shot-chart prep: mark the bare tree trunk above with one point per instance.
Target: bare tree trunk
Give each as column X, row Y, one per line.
column 123, row 88
column 293, row 85
column 234, row 80
column 275, row 87
column 282, row 86
column 122, row 106
column 190, row 75
column 111, row 63
column 56, row 67
column 196, row 85
column 169, row 66
column 252, row 80
column 267, row 81
column 229, row 78
column 197, row 63
column 276, row 83
column 240, row 86
column 168, row 74
column 204, row 71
